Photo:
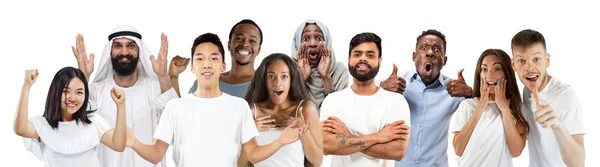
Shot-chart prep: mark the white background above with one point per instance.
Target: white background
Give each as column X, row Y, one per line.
column 38, row 34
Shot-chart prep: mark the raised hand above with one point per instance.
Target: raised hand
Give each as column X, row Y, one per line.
column 117, row 95
column 458, row 87
column 178, row 65
column 159, row 65
column 544, row 114
column 500, row 96
column 86, row 65
column 394, row 83
column 325, row 62
column 302, row 61
column 291, row 134
column 395, row 130
column 264, row 123
column 30, row 77
column 335, row 126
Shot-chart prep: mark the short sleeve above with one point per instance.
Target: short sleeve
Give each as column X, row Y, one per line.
column 249, row 130
column 161, row 98
column 166, row 125
column 572, row 116
column 461, row 116
column 101, row 124
column 399, row 110
column 328, row 107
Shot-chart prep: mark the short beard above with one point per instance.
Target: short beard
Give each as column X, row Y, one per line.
column 363, row 77
column 124, row 69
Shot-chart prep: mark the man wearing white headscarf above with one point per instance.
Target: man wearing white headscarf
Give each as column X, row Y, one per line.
column 126, row 63
column 312, row 49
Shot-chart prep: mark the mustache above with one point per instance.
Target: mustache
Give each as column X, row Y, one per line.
column 363, row 63
column 128, row 57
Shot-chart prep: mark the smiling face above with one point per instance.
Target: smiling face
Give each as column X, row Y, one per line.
column 124, row 56
column 429, row 57
column 207, row 63
column 530, row 63
column 73, row 97
column 491, row 71
column 363, row 63
column 244, row 44
column 278, row 81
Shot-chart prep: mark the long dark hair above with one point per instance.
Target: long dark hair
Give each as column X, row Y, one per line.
column 61, row 80
column 257, row 91
column 512, row 89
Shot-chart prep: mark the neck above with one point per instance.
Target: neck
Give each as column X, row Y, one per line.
column 364, row 88
column 66, row 117
column 427, row 83
column 126, row 81
column 239, row 71
column 545, row 82
column 208, row 90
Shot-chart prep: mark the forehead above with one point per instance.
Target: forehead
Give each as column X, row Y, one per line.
column 533, row 49
column 431, row 39
column 123, row 40
column 278, row 66
column 490, row 59
column 75, row 83
column 246, row 29
column 207, row 47
column 366, row 47
column 312, row 29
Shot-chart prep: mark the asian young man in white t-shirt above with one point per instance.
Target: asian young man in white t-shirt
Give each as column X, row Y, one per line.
column 365, row 125
column 553, row 110
column 211, row 127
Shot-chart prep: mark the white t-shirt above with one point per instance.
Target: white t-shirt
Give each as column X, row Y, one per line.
column 487, row 145
column 144, row 104
column 206, row 131
column 72, row 144
column 543, row 148
column 364, row 115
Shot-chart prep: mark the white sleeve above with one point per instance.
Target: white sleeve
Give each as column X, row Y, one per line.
column 328, row 107
column 93, row 97
column 33, row 145
column 572, row 116
column 101, row 124
column 461, row 116
column 166, row 125
column 162, row 98
column 249, row 130
column 399, row 110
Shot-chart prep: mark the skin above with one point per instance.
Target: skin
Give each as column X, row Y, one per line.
column 532, row 61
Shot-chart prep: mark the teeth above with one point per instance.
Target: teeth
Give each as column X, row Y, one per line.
column 245, row 53
column 491, row 83
column 207, row 73
column 71, row 105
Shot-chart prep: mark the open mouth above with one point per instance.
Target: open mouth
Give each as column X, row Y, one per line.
column 277, row 92
column 313, row 55
column 532, row 78
column 428, row 68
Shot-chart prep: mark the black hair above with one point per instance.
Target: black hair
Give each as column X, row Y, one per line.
column 52, row 111
column 247, row 21
column 363, row 38
column 209, row 37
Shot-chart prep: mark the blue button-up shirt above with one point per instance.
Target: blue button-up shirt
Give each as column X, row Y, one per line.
column 431, row 108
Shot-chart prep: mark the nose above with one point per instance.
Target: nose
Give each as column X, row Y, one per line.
column 313, row 42
column 246, row 42
column 70, row 97
column 206, row 64
column 277, row 82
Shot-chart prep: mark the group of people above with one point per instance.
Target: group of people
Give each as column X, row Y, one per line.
column 292, row 110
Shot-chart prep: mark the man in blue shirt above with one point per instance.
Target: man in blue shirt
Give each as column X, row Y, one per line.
column 432, row 98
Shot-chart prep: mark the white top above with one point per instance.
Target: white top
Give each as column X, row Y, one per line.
column 144, row 104
column 543, row 149
column 206, row 131
column 487, row 145
column 71, row 144
column 289, row 155
column 364, row 115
